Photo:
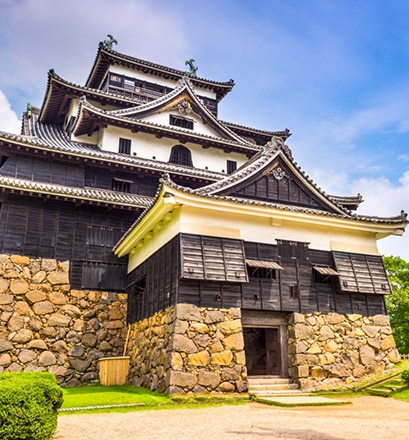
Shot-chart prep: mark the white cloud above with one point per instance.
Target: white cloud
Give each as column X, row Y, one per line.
column 8, row 119
column 382, row 198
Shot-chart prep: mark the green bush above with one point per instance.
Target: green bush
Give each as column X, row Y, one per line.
column 29, row 404
column 405, row 377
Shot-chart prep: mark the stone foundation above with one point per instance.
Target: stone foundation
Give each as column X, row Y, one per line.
column 46, row 326
column 330, row 350
column 189, row 349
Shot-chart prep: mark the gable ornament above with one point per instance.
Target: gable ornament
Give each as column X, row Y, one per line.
column 279, row 173
column 192, row 67
column 110, row 41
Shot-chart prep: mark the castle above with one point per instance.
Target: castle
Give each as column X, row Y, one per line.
column 128, row 202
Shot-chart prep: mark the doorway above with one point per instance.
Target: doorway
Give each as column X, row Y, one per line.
column 263, row 351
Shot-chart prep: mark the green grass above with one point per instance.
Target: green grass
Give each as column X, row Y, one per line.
column 98, row 395
column 98, row 398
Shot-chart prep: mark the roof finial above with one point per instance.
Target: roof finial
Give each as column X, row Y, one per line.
column 28, row 112
column 192, row 67
column 108, row 43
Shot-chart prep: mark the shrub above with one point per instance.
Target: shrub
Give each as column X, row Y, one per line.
column 405, row 377
column 29, row 404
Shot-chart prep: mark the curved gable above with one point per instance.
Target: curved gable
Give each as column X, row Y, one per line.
column 279, row 184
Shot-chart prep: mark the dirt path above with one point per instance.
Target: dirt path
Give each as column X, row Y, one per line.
column 368, row 418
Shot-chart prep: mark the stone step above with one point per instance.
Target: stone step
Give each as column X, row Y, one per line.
column 267, row 386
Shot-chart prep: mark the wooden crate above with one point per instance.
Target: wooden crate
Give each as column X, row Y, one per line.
column 113, row 370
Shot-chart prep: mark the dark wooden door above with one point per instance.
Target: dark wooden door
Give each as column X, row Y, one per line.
column 273, row 352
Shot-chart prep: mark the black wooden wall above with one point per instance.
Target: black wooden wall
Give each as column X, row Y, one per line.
column 84, row 235
column 295, row 288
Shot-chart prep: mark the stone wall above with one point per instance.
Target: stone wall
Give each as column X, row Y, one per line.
column 189, row 349
column 46, row 326
column 331, row 349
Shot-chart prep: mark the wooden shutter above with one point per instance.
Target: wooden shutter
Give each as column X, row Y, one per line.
column 361, row 273
column 212, row 258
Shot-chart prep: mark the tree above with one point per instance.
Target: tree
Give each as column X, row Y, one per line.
column 398, row 302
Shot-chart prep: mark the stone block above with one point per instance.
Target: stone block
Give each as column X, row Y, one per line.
column 20, row 260
column 5, row 345
column 340, row 370
column 19, row 287
column 56, row 278
column 48, row 264
column 43, row 308
column 303, row 332
column 39, row 277
column 21, row 307
column 388, row 342
column 183, row 380
column 4, row 285
column 23, row 336
column 325, row 333
column 240, row 358
column 317, row 373
column 34, row 296
column 183, row 344
column 58, row 320
column 214, row 316
column 38, row 344
column 57, row 298
column 89, row 340
column 367, row 355
column 5, row 360
column 227, row 387
column 222, row 358
column 209, row 379
column 393, row 356
column 6, row 299
column 46, row 359
column 370, row 330
column 234, row 342
column 314, row 349
column 334, row 318
column 15, row 323
column 382, row 320
column 26, row 356
column 188, row 312
column 200, row 359
column 230, row 327
column 331, row 346
column 80, row 365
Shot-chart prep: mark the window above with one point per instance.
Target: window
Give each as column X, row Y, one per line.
column 129, row 84
column 181, row 155
column 121, row 185
column 181, row 122
column 124, row 146
column 324, row 275
column 263, row 269
column 231, row 166
column 115, row 79
column 294, row 291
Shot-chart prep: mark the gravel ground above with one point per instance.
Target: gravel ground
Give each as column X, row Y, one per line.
column 368, row 418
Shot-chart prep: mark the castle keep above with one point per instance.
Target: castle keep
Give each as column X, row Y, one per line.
column 126, row 203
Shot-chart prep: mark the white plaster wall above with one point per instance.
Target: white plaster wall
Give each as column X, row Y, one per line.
column 150, row 147
column 120, row 70
column 268, row 230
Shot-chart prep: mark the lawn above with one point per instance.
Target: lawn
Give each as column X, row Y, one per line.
column 99, row 398
column 99, row 395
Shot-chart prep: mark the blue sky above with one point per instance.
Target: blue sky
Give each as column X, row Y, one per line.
column 335, row 72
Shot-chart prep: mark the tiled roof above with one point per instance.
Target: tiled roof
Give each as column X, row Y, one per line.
column 398, row 219
column 53, row 138
column 83, row 194
column 184, row 86
column 106, row 56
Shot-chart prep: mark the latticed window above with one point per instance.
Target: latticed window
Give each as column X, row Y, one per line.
column 181, row 156
column 124, row 146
